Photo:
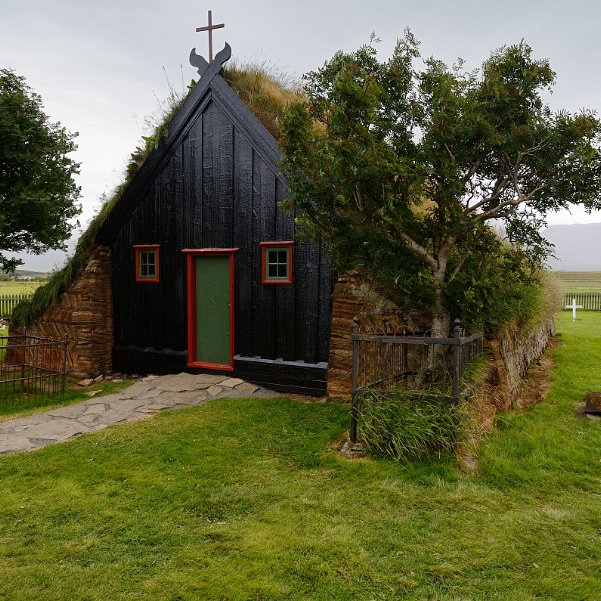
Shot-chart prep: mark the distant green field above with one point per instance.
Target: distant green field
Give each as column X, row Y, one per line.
column 18, row 287
column 579, row 281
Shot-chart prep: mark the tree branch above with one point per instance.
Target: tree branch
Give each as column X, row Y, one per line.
column 359, row 198
column 458, row 267
column 450, row 153
column 471, row 171
column 417, row 249
column 498, row 211
column 500, row 186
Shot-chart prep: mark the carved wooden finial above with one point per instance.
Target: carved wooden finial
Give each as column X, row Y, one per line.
column 210, row 27
column 203, row 67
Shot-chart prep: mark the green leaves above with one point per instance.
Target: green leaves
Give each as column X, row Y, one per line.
column 398, row 168
column 38, row 193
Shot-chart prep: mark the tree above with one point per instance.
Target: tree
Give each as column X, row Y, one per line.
column 37, row 191
column 401, row 170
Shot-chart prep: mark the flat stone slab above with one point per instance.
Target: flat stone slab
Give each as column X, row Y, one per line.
column 151, row 394
column 125, row 405
column 14, row 444
column 96, row 408
column 247, row 388
column 56, row 428
column 89, row 419
column 15, row 424
column 145, row 397
column 153, row 408
column 187, row 382
column 69, row 411
column 139, row 388
column 108, row 418
column 231, row 382
column 173, row 399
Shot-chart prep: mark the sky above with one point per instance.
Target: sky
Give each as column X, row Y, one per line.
column 102, row 67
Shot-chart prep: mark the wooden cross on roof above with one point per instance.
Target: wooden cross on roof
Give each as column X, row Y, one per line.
column 210, row 28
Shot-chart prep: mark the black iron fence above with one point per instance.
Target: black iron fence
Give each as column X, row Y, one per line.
column 32, row 369
column 589, row 301
column 388, row 356
column 9, row 301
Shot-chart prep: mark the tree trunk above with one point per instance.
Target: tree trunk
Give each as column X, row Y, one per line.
column 441, row 320
column 435, row 364
column 441, row 325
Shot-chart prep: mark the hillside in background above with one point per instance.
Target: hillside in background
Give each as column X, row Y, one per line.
column 577, row 247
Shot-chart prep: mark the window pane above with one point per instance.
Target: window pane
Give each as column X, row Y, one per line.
column 277, row 263
column 147, row 263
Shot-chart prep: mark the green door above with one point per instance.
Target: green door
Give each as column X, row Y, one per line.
column 213, row 310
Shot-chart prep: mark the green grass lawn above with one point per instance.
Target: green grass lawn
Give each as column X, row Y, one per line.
column 246, row 499
column 578, row 281
column 19, row 287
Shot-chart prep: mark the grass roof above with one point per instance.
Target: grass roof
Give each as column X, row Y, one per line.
column 262, row 90
column 265, row 92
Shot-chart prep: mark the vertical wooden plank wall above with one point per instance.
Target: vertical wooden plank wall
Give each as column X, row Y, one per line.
column 285, row 317
column 243, row 236
column 217, row 190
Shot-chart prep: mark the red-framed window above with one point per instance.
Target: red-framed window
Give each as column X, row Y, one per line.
column 147, row 262
column 276, row 262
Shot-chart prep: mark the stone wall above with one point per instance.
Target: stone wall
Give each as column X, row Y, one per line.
column 353, row 297
column 514, row 352
column 84, row 313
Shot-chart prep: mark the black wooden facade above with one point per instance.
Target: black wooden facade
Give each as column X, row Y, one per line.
column 215, row 183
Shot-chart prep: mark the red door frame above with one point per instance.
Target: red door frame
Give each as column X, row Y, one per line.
column 191, row 254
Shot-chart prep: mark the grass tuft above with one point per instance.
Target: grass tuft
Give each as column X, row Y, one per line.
column 265, row 91
column 407, row 426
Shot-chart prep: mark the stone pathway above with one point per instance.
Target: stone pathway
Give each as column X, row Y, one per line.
column 147, row 396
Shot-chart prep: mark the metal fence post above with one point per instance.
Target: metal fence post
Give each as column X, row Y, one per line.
column 65, row 347
column 383, row 351
column 354, row 380
column 23, row 358
column 456, row 358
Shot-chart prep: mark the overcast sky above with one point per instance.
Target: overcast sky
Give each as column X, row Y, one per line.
column 100, row 66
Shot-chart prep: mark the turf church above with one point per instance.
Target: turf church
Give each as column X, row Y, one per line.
column 207, row 272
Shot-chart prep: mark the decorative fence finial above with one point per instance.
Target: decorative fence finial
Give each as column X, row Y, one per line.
column 457, row 326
